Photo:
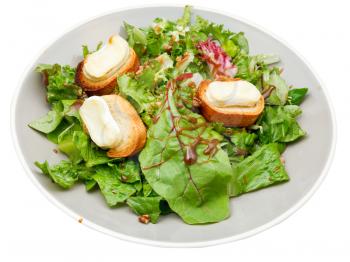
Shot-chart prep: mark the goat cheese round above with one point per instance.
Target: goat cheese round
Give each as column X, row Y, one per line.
column 98, row 119
column 239, row 93
column 108, row 60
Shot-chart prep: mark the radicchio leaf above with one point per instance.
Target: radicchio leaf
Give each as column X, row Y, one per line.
column 218, row 61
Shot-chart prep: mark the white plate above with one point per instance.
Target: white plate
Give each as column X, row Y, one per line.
column 306, row 161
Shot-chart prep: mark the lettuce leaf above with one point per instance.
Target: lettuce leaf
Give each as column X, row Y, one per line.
column 60, row 82
column 50, row 121
column 146, row 206
column 186, row 17
column 111, row 187
column 86, row 50
column 192, row 179
column 53, row 136
column 66, row 144
column 248, row 70
column 238, row 143
column 138, row 90
column 279, row 95
column 90, row 184
column 65, row 174
column 91, row 154
column 279, row 124
column 241, row 41
column 142, row 90
column 232, row 43
column 243, row 140
column 266, row 59
column 137, row 38
column 129, row 171
column 59, row 125
column 60, row 110
column 135, row 35
column 263, row 168
column 188, row 166
column 243, row 144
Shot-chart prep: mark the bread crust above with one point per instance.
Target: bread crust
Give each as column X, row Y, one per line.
column 133, row 129
column 108, row 85
column 239, row 117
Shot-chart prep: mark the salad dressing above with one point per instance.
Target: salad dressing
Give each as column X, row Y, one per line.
column 191, row 155
column 212, row 147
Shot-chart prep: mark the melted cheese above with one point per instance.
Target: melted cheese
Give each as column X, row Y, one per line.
column 102, row 127
column 238, row 93
column 108, row 60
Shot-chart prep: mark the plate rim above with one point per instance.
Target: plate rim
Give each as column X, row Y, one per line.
column 121, row 236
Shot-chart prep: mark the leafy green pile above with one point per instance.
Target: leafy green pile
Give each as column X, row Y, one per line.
column 188, row 166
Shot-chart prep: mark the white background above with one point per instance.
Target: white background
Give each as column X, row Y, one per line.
column 31, row 228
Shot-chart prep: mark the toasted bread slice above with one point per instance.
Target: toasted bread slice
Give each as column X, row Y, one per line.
column 233, row 116
column 105, row 86
column 131, row 125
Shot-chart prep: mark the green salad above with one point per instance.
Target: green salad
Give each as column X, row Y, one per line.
column 189, row 165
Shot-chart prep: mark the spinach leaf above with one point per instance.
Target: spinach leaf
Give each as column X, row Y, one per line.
column 111, row 187
column 60, row 82
column 263, row 168
column 146, row 206
column 296, row 95
column 279, row 124
column 182, row 164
